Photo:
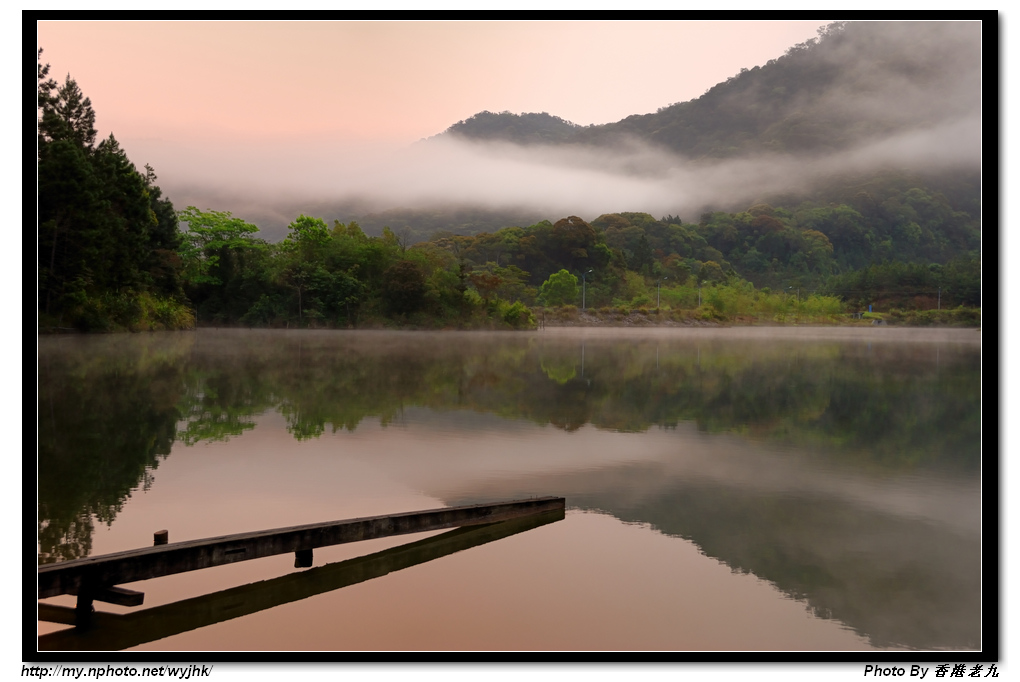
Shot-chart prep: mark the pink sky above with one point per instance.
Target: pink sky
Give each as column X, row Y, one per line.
column 265, row 119
column 392, row 82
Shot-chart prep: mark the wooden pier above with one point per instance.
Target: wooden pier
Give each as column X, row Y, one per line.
column 113, row 632
column 97, row 578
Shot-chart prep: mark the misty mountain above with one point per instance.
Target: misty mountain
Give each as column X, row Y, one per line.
column 864, row 113
column 855, row 83
column 873, row 107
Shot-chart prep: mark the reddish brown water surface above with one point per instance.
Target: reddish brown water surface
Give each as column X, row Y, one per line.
column 726, row 490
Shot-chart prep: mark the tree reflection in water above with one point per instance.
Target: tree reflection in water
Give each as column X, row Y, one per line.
column 111, row 408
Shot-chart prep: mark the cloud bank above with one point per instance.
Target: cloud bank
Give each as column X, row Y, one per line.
column 919, row 82
column 272, row 181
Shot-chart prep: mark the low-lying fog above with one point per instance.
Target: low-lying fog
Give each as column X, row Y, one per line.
column 272, row 183
column 920, row 83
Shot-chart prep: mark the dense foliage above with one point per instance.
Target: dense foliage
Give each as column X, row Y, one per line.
column 829, row 94
column 634, row 260
column 108, row 240
column 322, row 276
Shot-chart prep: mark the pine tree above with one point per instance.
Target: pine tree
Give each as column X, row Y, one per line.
column 104, row 228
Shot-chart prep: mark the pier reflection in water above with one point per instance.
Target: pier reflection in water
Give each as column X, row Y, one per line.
column 835, row 472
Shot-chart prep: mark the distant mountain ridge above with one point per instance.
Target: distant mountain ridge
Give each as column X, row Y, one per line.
column 517, row 128
column 855, row 82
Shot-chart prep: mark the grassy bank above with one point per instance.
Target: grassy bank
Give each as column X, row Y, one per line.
column 955, row 317
column 137, row 313
column 123, row 312
column 706, row 315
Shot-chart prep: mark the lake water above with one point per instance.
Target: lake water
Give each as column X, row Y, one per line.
column 751, row 489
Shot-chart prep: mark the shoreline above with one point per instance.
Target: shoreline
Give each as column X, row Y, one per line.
column 639, row 318
column 550, row 324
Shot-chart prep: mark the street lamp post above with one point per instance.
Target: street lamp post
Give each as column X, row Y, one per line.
column 584, row 283
column 657, row 285
column 704, row 281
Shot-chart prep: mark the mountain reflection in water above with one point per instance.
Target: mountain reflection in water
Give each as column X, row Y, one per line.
column 842, row 467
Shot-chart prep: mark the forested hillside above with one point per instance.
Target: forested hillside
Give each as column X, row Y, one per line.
column 115, row 254
column 854, row 83
column 857, row 84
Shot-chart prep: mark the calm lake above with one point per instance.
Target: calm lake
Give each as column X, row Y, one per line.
column 752, row 489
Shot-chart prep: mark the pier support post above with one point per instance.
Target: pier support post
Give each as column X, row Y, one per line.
column 83, row 610
column 303, row 558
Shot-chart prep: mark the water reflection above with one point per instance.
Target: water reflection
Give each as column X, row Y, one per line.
column 900, row 572
column 108, row 415
column 842, row 468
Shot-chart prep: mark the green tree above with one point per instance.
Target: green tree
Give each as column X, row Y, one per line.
column 164, row 264
column 67, row 115
column 486, row 283
column 208, row 241
column 107, row 240
column 308, row 233
column 127, row 220
column 46, row 86
column 513, row 284
column 404, row 287
column 571, row 242
column 303, row 265
column 560, row 289
column 712, row 272
column 69, row 210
